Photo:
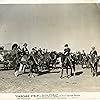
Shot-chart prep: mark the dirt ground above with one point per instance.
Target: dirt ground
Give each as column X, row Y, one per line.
column 49, row 82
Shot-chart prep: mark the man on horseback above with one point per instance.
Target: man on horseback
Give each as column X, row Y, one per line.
column 67, row 61
column 25, row 54
column 84, row 58
column 93, row 52
column 93, row 61
column 83, row 53
column 32, row 62
column 25, row 49
column 16, row 58
column 66, row 50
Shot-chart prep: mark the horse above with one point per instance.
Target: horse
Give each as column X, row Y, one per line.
column 54, row 56
column 33, row 65
column 44, row 61
column 37, row 62
column 16, row 55
column 8, row 60
column 67, row 63
column 84, row 60
column 93, row 63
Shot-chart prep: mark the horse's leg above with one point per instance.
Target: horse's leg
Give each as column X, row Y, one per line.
column 96, row 71
column 16, row 71
column 71, row 73
column 24, row 67
column 61, row 73
column 31, row 71
column 36, row 69
column 73, row 68
column 93, row 70
column 91, row 66
column 15, row 68
column 52, row 65
column 95, row 66
column 67, row 71
column 48, row 67
column 4, row 66
column 21, row 67
column 82, row 66
column 87, row 64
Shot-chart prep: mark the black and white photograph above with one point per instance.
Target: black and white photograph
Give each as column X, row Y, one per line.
column 49, row 48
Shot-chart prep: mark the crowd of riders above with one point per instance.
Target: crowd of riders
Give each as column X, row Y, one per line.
column 70, row 59
column 81, row 56
column 21, row 58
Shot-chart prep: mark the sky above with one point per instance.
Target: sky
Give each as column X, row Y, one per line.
column 51, row 26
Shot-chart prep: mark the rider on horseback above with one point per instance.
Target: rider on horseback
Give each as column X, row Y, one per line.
column 23, row 61
column 94, row 60
column 83, row 53
column 67, row 61
column 25, row 49
column 66, row 50
column 16, row 58
column 93, row 52
column 84, row 58
column 25, row 54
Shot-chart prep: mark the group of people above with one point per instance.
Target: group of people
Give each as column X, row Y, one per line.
column 38, row 58
column 81, row 56
column 93, row 51
column 71, row 59
column 67, row 50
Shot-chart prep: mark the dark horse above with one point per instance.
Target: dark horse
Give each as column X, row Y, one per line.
column 54, row 56
column 93, row 63
column 67, row 63
column 33, row 65
column 38, row 63
column 16, row 56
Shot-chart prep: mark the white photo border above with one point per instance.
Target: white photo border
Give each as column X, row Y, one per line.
column 65, row 96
